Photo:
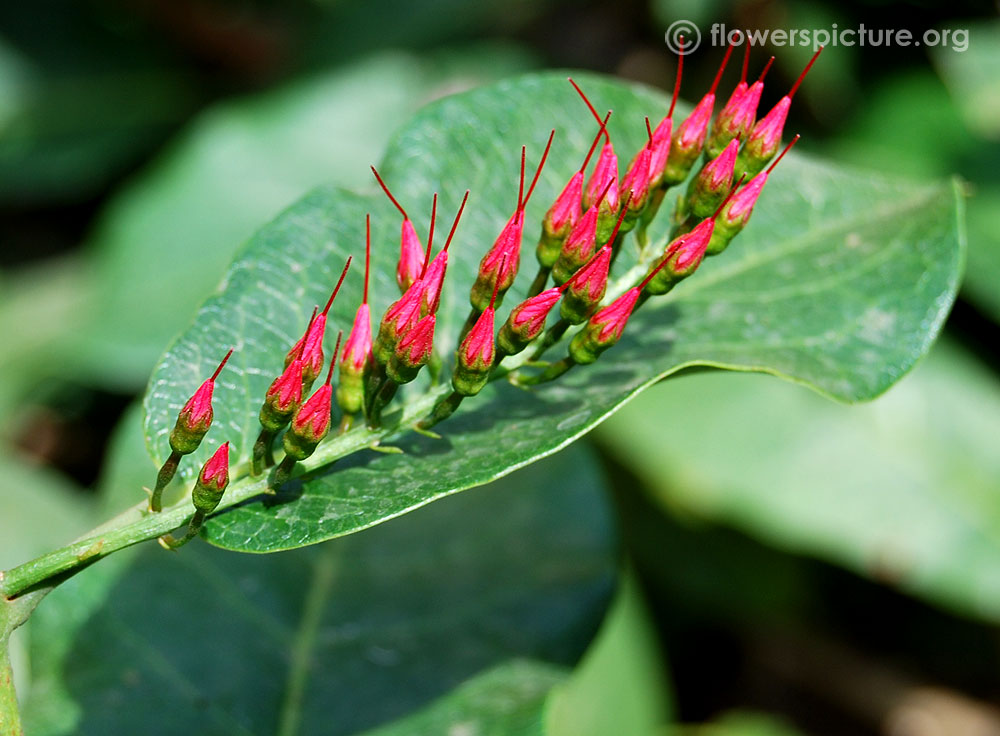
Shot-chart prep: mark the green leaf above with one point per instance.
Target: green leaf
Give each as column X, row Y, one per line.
column 333, row 639
column 618, row 687
column 840, row 282
column 903, row 490
column 506, row 700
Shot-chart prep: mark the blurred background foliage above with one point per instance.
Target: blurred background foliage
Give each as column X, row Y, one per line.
column 799, row 567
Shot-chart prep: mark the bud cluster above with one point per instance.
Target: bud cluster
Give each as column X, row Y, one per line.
column 582, row 234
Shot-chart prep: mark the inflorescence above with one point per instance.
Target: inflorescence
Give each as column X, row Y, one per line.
column 582, row 235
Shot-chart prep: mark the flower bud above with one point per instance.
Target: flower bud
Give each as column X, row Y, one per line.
column 581, row 244
column 310, row 346
column 586, row 289
column 683, row 254
column 311, row 422
column 735, row 215
column 499, row 266
column 689, row 138
column 526, row 321
column 661, row 136
column 713, row 182
column 282, row 398
column 398, row 319
column 475, row 355
column 636, row 181
column 212, row 481
column 605, row 328
column 195, row 417
column 413, row 351
column 357, row 355
column 737, row 117
column 565, row 211
column 433, row 278
column 765, row 138
column 411, row 255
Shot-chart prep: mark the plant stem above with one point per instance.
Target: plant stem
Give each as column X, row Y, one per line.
column 551, row 337
column 261, row 449
column 539, row 283
column 163, row 478
column 10, row 717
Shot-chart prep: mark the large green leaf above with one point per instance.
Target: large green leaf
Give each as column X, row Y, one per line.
column 903, row 490
column 617, row 688
column 333, row 639
column 840, row 282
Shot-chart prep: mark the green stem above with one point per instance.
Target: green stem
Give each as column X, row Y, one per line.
column 540, row 280
column 282, row 473
column 443, row 409
column 549, row 374
column 194, row 526
column 551, row 337
column 261, row 450
column 10, row 717
column 163, row 478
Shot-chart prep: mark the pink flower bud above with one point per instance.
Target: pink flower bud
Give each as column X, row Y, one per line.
column 765, row 138
column 212, row 481
column 285, row 392
column 718, row 173
column 415, row 347
column 741, row 205
column 636, row 178
column 310, row 347
column 476, row 351
column 215, row 472
column 195, row 417
column 411, row 255
column 397, row 320
column 661, row 136
column 588, row 284
column 581, row 243
column 358, row 348
column 312, row 421
column 529, row 316
column 502, row 261
column 585, row 290
column 433, row 278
